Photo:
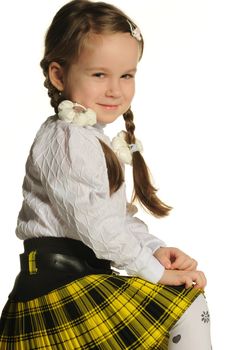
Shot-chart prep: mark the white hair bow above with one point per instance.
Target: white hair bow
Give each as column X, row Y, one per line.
column 123, row 150
column 73, row 112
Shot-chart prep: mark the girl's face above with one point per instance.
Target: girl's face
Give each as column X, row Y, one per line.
column 103, row 77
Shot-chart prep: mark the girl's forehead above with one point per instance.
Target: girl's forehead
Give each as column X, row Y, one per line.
column 113, row 46
column 110, row 41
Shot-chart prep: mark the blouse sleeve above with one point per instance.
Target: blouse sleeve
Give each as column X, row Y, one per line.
column 140, row 230
column 74, row 175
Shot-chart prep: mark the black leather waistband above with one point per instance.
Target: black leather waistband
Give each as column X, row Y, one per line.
column 49, row 263
column 62, row 262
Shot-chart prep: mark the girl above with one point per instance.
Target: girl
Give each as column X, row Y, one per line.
column 75, row 221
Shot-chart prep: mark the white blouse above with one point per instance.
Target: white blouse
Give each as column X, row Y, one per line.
column 66, row 194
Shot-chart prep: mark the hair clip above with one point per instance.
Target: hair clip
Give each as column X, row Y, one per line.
column 133, row 147
column 135, row 31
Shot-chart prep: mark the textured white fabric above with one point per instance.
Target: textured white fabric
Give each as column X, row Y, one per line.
column 66, row 194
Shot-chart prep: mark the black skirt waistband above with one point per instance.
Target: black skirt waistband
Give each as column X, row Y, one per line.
column 50, row 262
column 67, row 246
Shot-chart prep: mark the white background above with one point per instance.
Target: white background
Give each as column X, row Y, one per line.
column 183, row 109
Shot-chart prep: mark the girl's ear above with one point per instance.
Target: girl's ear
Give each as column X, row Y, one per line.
column 56, row 75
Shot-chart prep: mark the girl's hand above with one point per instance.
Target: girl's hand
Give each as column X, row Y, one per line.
column 175, row 259
column 188, row 278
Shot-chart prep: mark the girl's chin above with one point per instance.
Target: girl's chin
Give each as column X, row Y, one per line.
column 107, row 119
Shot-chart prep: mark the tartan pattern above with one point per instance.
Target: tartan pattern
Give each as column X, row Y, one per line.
column 96, row 312
column 32, row 263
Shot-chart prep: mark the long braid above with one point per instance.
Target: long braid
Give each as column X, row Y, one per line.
column 144, row 191
column 130, row 127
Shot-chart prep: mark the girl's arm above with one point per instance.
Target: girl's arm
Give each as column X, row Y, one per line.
column 170, row 257
column 140, row 231
column 74, row 175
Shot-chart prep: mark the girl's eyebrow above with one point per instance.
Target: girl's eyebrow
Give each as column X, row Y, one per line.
column 97, row 69
column 100, row 69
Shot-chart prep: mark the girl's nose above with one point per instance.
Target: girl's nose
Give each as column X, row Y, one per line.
column 113, row 89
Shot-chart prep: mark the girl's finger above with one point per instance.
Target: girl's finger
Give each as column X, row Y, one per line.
column 191, row 265
column 185, row 263
column 200, row 280
column 188, row 281
column 204, row 281
column 181, row 260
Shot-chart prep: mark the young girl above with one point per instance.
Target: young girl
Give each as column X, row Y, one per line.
column 75, row 221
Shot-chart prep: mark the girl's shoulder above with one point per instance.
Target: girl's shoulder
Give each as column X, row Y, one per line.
column 59, row 137
column 53, row 128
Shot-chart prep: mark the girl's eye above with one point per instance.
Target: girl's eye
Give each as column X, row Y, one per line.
column 127, row 76
column 99, row 75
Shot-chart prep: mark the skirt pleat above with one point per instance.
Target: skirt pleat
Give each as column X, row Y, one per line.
column 96, row 312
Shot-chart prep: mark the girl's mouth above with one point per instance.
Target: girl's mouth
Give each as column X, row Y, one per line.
column 109, row 107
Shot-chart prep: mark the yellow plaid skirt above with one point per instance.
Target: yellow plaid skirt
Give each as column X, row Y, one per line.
column 96, row 312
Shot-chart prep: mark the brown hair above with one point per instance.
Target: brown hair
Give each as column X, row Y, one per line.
column 64, row 40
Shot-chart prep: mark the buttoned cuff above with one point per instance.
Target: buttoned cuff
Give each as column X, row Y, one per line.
column 146, row 266
column 153, row 271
